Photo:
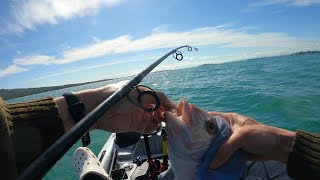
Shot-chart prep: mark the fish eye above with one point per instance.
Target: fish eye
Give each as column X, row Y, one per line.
column 211, row 126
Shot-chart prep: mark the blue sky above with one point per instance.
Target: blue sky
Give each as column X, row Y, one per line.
column 44, row 43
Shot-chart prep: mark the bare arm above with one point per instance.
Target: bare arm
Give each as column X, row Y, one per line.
column 260, row 141
column 300, row 150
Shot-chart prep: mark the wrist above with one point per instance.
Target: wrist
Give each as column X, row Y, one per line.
column 64, row 113
column 285, row 141
column 90, row 98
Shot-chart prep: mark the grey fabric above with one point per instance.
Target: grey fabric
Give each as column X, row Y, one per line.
column 265, row 170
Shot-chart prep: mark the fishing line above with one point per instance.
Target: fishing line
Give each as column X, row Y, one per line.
column 162, row 81
column 183, row 85
column 178, row 56
column 144, row 128
column 135, row 149
column 39, row 167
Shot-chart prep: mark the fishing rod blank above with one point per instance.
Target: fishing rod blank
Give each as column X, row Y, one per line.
column 48, row 158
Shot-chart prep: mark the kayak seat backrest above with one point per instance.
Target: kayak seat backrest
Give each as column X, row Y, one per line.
column 138, row 149
column 127, row 139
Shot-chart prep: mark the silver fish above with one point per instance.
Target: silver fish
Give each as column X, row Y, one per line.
column 191, row 131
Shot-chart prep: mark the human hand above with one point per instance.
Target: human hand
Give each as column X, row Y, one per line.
column 126, row 116
column 261, row 142
column 121, row 117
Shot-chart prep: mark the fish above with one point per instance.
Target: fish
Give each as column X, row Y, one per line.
column 190, row 132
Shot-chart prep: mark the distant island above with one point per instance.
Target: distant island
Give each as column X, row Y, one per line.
column 16, row 93
column 20, row 92
column 305, row 52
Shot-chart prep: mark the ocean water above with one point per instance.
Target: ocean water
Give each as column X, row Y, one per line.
column 281, row 91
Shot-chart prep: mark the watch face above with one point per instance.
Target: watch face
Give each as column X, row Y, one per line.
column 77, row 111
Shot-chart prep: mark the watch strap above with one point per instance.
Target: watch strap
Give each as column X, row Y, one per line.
column 77, row 110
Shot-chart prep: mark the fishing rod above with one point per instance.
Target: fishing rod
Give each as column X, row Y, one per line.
column 48, row 159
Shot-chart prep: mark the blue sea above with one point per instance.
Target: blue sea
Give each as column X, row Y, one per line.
column 282, row 91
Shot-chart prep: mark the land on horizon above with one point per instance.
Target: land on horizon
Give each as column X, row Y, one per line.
column 20, row 92
column 6, row 94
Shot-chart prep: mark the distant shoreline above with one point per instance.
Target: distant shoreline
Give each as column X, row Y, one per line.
column 305, row 52
column 7, row 94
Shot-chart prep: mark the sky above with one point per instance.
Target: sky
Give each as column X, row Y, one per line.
column 46, row 43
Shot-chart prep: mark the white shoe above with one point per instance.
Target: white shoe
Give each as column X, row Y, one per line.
column 87, row 165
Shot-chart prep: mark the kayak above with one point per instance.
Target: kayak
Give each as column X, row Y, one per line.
column 123, row 156
column 134, row 156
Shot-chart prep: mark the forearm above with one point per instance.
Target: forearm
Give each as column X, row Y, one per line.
column 91, row 98
column 284, row 142
column 301, row 151
column 36, row 125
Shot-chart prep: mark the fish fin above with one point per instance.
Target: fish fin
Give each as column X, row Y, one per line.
column 186, row 113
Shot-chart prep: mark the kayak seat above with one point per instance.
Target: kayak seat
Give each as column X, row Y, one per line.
column 131, row 152
column 127, row 139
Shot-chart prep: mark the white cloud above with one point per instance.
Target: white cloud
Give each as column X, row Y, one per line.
column 33, row 60
column 287, row 2
column 94, row 50
column 28, row 14
column 13, row 69
column 219, row 36
column 87, row 68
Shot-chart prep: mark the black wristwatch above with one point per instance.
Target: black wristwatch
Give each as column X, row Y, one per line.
column 77, row 110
